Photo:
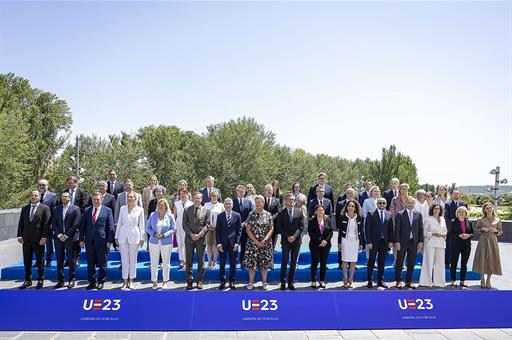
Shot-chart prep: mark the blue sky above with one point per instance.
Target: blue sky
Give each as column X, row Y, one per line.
column 342, row 78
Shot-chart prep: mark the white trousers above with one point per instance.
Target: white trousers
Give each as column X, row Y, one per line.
column 180, row 238
column 129, row 259
column 155, row 250
column 433, row 261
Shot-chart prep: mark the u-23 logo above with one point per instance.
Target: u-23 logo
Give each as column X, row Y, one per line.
column 415, row 304
column 98, row 304
column 259, row 305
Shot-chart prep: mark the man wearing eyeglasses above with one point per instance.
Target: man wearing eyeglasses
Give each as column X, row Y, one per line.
column 49, row 199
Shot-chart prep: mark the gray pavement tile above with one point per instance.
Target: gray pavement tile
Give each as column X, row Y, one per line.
column 256, row 335
column 218, row 335
column 75, row 335
column 357, row 334
column 9, row 335
column 291, row 335
column 112, row 335
column 459, row 334
column 429, row 336
column 37, row 335
column 421, row 331
column 489, row 333
column 391, row 334
column 321, row 333
column 147, row 335
column 325, row 337
column 183, row 335
column 506, row 330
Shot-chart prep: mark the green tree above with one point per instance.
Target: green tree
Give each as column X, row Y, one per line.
column 394, row 164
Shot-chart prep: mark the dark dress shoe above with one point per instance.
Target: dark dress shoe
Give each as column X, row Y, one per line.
column 26, row 284
column 77, row 264
column 66, row 264
column 321, row 285
column 222, row 286
column 100, row 286
column 91, row 286
column 382, row 284
column 59, row 284
column 283, row 286
column 232, row 285
column 39, row 284
column 369, row 284
column 199, row 285
column 48, row 263
column 71, row 284
column 410, row 285
column 291, row 287
column 189, row 286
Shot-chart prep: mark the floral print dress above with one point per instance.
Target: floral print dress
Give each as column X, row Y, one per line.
column 255, row 257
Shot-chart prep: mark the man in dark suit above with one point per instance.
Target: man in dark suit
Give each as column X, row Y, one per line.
column 366, row 193
column 114, row 187
column 243, row 206
column 108, row 200
column 49, row 199
column 379, row 240
column 449, row 214
column 322, row 182
column 196, row 221
column 80, row 199
column 273, row 206
column 97, row 235
column 33, row 230
column 350, row 194
column 66, row 225
column 393, row 192
column 227, row 233
column 408, row 241
column 319, row 200
column 208, row 189
column 290, row 224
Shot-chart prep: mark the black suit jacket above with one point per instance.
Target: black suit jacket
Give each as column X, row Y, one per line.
column 231, row 233
column 388, row 195
column 69, row 225
column 328, row 192
column 81, row 198
column 315, row 237
column 245, row 209
column 327, row 203
column 403, row 228
column 339, row 207
column 118, row 188
column 342, row 231
column 454, row 229
column 38, row 228
column 450, row 208
column 374, row 228
column 287, row 229
column 273, row 208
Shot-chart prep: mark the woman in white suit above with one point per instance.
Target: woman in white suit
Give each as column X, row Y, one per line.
column 433, row 251
column 130, row 237
column 179, row 208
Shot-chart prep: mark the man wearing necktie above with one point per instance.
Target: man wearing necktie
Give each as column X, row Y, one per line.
column 33, row 231
column 290, row 224
column 319, row 200
column 242, row 206
column 79, row 198
column 97, row 235
column 208, row 189
column 392, row 192
column 49, row 199
column 66, row 224
column 379, row 240
column 227, row 233
column 196, row 220
column 272, row 206
column 408, row 241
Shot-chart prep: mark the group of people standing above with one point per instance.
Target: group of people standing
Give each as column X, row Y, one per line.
column 243, row 230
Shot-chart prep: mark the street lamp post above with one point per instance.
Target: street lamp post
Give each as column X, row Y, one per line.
column 497, row 182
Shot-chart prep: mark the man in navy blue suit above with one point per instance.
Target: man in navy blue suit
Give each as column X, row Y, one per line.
column 319, row 200
column 366, row 193
column 97, row 235
column 66, row 225
column 228, row 232
column 389, row 194
column 322, row 182
column 114, row 187
column 449, row 214
column 49, row 199
column 208, row 189
column 243, row 206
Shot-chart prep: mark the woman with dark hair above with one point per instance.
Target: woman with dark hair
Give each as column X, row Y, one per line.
column 434, row 229
column 296, row 190
column 320, row 230
column 277, row 191
column 350, row 238
column 461, row 233
column 487, row 256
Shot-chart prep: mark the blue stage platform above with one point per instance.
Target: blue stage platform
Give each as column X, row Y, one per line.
column 16, row 272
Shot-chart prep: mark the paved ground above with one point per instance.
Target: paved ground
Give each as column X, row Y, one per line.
column 11, row 253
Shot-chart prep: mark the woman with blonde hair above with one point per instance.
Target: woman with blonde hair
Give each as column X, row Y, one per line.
column 461, row 232
column 487, row 257
column 442, row 196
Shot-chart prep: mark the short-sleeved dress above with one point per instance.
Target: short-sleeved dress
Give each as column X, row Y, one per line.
column 259, row 258
column 487, row 255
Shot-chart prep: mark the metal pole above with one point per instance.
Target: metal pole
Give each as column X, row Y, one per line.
column 496, row 188
column 77, row 162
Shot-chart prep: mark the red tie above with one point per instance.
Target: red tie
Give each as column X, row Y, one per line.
column 94, row 215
